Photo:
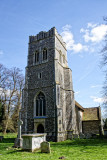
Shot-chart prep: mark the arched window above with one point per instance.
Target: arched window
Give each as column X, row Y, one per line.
column 36, row 57
column 44, row 54
column 40, row 105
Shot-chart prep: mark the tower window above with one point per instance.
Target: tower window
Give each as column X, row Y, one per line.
column 36, row 57
column 59, row 121
column 40, row 105
column 39, row 75
column 44, row 54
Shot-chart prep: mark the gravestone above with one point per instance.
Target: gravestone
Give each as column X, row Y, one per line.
column 19, row 141
column 70, row 135
column 1, row 138
column 75, row 136
column 81, row 136
column 45, row 147
column 88, row 136
column 94, row 136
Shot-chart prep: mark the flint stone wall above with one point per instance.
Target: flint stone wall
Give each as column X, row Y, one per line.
column 91, row 127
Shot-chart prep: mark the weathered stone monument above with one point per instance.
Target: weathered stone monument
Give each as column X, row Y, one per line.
column 81, row 136
column 32, row 142
column 75, row 136
column 45, row 147
column 1, row 138
column 19, row 141
column 20, row 122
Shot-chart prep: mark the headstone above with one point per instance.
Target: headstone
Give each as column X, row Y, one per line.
column 70, row 135
column 94, row 136
column 45, row 147
column 1, row 138
column 19, row 141
column 88, row 136
column 81, row 136
column 20, row 122
column 75, row 136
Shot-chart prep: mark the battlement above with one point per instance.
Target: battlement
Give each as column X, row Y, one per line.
column 43, row 34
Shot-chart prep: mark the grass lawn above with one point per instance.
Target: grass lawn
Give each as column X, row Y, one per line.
column 86, row 149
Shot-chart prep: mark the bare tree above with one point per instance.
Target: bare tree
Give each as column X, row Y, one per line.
column 104, row 65
column 11, row 83
column 20, row 85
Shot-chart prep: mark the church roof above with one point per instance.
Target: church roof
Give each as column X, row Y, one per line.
column 79, row 106
column 93, row 113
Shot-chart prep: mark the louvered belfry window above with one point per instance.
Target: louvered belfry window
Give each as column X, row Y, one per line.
column 36, row 57
column 40, row 105
column 44, row 54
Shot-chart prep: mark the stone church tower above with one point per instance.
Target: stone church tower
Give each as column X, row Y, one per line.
column 48, row 96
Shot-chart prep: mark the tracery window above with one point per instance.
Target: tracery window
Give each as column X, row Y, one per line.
column 44, row 54
column 40, row 105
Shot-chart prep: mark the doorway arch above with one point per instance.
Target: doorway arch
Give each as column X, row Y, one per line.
column 40, row 128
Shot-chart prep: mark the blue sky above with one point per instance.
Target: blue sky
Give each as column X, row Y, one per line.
column 81, row 24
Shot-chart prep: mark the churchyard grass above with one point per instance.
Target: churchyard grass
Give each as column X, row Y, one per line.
column 83, row 149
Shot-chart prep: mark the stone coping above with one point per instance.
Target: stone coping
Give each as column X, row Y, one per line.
column 34, row 135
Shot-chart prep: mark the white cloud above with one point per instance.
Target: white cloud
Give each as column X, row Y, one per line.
column 1, row 52
column 4, row 92
column 68, row 37
column 94, row 32
column 79, row 47
column 67, row 27
column 96, row 86
column 8, row 92
column 78, row 92
column 91, row 25
column 99, row 100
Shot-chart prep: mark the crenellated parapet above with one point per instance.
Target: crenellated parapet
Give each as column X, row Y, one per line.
column 43, row 34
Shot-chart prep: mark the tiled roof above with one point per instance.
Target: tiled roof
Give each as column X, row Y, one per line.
column 92, row 113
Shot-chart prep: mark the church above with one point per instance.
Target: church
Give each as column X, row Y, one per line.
column 48, row 102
